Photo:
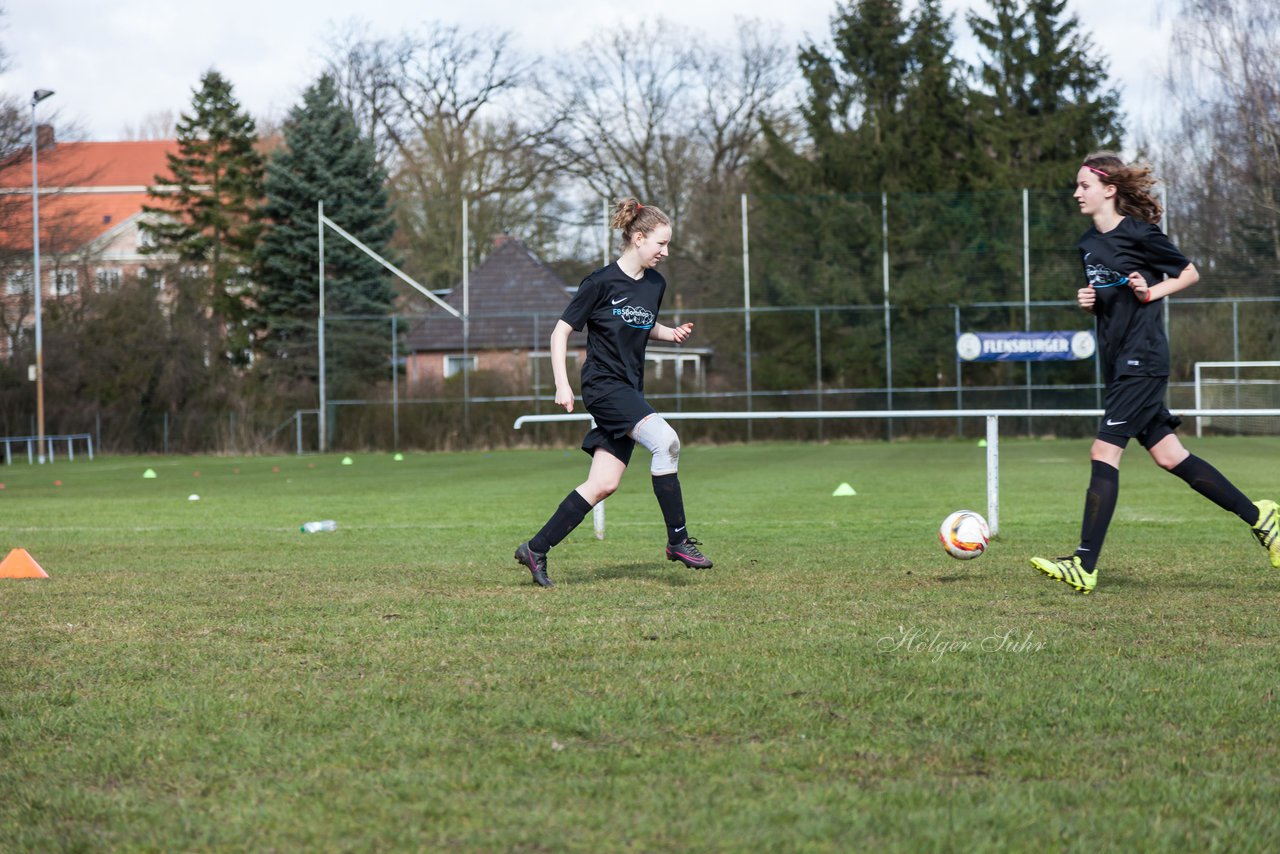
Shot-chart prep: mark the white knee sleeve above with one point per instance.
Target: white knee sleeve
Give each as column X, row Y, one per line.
column 658, row 436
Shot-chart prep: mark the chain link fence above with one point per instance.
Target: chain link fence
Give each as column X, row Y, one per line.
column 799, row 303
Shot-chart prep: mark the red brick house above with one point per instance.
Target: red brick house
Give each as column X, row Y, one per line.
column 91, row 198
column 515, row 301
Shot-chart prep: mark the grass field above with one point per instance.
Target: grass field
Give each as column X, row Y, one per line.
column 198, row 675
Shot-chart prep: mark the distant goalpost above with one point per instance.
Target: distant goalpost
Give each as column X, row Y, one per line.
column 322, row 222
column 1238, row 385
column 992, row 417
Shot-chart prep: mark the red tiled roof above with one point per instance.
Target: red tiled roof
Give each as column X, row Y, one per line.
column 69, row 216
column 67, row 222
column 92, row 164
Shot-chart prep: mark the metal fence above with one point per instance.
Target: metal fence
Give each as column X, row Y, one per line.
column 805, row 302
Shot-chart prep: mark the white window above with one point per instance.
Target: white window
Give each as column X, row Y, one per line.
column 18, row 282
column 108, row 279
column 64, row 282
column 457, row 364
column 152, row 277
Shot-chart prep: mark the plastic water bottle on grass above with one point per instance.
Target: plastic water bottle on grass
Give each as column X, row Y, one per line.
column 317, row 527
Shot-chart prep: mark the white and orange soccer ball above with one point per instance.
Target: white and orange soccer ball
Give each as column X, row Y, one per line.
column 964, row 535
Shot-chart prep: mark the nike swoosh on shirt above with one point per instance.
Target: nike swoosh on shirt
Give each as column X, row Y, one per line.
column 616, row 301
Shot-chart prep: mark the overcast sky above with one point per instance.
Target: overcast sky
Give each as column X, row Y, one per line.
column 113, row 64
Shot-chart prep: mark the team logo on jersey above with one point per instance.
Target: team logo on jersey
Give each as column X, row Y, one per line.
column 635, row 316
column 1102, row 276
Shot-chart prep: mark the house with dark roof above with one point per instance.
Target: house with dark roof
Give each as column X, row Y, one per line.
column 514, row 299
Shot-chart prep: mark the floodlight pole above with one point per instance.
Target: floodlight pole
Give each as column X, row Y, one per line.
column 36, row 97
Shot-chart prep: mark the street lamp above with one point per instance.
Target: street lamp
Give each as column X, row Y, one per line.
column 36, row 97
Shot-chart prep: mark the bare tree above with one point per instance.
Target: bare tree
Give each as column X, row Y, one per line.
column 446, row 109
column 160, row 124
column 1225, row 158
column 658, row 111
column 13, row 122
column 667, row 115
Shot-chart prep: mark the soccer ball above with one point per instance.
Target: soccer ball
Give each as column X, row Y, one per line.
column 964, row 534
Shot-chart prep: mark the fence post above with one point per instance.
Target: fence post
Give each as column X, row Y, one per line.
column 993, row 474
column 959, row 376
column 395, row 388
column 888, row 332
column 817, row 362
column 1026, row 286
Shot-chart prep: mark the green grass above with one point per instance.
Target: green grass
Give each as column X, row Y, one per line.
column 198, row 675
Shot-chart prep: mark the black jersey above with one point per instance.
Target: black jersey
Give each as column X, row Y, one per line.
column 1131, row 339
column 618, row 313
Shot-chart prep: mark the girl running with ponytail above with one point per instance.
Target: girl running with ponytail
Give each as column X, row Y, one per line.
column 618, row 306
column 1129, row 267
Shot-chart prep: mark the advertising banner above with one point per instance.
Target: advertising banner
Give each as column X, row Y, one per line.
column 1024, row 346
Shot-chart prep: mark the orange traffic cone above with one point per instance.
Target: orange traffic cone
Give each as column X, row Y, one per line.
column 19, row 564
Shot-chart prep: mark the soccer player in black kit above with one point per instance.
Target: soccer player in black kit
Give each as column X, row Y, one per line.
column 618, row 306
column 1129, row 267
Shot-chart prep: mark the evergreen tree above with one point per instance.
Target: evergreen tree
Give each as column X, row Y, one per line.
column 1044, row 102
column 885, row 112
column 324, row 158
column 209, row 205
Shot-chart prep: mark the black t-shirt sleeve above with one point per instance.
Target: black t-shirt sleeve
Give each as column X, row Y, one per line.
column 1161, row 254
column 583, row 303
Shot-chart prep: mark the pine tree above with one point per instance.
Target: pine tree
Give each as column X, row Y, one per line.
column 324, row 158
column 209, row 205
column 1044, row 102
column 885, row 112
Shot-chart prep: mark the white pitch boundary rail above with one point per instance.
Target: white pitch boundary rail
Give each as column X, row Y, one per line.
column 993, row 432
column 46, row 445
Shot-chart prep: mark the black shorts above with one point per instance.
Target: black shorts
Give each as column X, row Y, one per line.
column 1135, row 409
column 616, row 414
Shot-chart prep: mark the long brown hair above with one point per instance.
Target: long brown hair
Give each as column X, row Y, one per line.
column 1133, row 183
column 633, row 218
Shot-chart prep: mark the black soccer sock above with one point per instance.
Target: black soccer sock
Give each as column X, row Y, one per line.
column 1209, row 482
column 667, row 489
column 1099, row 506
column 568, row 516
